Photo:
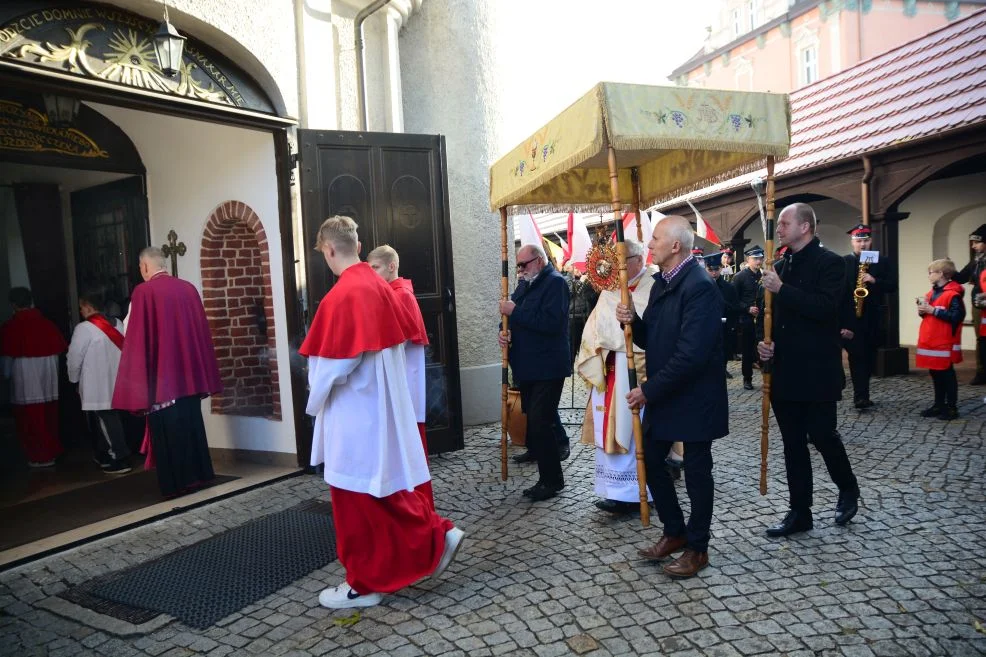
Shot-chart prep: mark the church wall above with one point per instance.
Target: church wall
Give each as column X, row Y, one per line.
column 942, row 214
column 455, row 94
column 193, row 167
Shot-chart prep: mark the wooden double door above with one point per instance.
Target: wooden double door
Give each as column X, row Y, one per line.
column 395, row 187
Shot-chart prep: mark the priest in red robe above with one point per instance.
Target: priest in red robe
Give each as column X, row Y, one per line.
column 30, row 344
column 385, row 261
column 388, row 535
column 167, row 367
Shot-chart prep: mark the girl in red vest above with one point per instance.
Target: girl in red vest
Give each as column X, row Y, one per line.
column 942, row 312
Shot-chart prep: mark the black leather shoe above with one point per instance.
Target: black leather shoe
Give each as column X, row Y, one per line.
column 526, row 457
column 978, row 380
column 563, row 452
column 616, row 507
column 949, row 413
column 794, row 522
column 747, row 384
column 846, row 508
column 542, row 492
column 527, row 491
column 863, row 403
column 932, row 411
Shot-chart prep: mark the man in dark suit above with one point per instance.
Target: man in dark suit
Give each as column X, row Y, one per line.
column 806, row 356
column 539, row 359
column 747, row 283
column 861, row 335
column 730, row 303
column 685, row 392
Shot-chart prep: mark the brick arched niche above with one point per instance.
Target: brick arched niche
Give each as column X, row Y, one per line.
column 236, row 287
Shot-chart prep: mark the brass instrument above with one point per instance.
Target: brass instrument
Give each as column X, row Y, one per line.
column 860, row 293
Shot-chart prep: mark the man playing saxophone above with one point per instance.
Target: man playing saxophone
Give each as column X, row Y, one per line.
column 866, row 284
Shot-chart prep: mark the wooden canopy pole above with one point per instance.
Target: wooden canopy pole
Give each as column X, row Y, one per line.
column 504, row 362
column 768, row 325
column 621, row 258
column 635, row 181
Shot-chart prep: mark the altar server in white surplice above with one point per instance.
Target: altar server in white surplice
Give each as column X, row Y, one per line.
column 388, row 535
column 602, row 364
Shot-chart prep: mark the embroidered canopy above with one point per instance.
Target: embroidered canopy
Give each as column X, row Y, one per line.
column 677, row 138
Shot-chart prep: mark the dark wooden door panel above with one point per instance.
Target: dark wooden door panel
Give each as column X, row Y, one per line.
column 395, row 187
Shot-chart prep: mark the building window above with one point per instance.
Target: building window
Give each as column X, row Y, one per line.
column 752, row 9
column 737, row 23
column 809, row 65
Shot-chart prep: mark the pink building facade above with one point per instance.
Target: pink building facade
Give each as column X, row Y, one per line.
column 783, row 45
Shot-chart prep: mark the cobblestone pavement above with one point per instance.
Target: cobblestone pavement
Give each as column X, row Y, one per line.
column 559, row 577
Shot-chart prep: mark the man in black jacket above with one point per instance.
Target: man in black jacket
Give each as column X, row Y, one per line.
column 539, row 359
column 806, row 356
column 731, row 306
column 685, row 392
column 747, row 283
column 972, row 273
column 861, row 335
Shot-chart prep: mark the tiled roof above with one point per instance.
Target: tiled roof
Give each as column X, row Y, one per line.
column 921, row 89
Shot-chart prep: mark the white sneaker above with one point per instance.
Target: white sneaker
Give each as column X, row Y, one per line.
column 344, row 597
column 453, row 539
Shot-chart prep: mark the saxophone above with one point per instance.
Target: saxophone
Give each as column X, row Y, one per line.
column 860, row 293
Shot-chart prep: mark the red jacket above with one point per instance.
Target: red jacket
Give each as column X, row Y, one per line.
column 937, row 341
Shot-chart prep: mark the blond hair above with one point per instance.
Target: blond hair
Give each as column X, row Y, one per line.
column 341, row 232
column 386, row 255
column 943, row 265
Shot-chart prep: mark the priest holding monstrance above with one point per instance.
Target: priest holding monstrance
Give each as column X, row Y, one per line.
column 167, row 367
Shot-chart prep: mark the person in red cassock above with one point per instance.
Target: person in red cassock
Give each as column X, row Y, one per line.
column 385, row 261
column 30, row 344
column 388, row 535
column 167, row 367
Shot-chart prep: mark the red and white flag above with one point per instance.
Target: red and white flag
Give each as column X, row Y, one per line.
column 528, row 231
column 702, row 228
column 579, row 242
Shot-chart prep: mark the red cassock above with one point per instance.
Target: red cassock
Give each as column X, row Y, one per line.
column 384, row 543
column 168, row 352
column 29, row 334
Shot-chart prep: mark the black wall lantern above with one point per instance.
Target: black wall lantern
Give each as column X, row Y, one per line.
column 168, row 46
column 61, row 110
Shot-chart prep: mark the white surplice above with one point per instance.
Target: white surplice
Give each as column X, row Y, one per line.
column 366, row 431
column 414, row 356
column 34, row 379
column 93, row 361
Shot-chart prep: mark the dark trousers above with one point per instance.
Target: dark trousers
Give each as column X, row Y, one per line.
column 862, row 359
column 698, row 483
column 980, row 343
column 748, row 345
column 946, row 386
column 561, row 436
column 799, row 420
column 109, row 440
column 539, row 400
column 728, row 341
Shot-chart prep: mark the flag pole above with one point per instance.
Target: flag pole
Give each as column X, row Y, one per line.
column 621, row 259
column 504, row 362
column 768, row 325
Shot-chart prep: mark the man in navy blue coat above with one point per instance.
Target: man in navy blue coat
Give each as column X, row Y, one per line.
column 684, row 396
column 539, row 359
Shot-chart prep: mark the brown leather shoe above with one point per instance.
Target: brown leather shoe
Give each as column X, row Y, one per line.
column 688, row 564
column 663, row 548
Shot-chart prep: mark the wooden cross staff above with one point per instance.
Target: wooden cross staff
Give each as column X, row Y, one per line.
column 172, row 250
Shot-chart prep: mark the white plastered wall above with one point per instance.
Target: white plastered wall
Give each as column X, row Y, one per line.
column 192, row 167
column 942, row 214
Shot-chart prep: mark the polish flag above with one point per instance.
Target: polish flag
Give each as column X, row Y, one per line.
column 630, row 227
column 579, row 242
column 528, row 231
column 702, row 228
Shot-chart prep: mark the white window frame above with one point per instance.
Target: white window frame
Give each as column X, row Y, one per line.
column 737, row 22
column 754, row 9
column 808, row 64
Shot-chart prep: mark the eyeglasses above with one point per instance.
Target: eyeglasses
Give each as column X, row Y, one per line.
column 629, row 258
column 524, row 263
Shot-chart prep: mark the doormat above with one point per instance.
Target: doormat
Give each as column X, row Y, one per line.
column 205, row 582
column 31, row 521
